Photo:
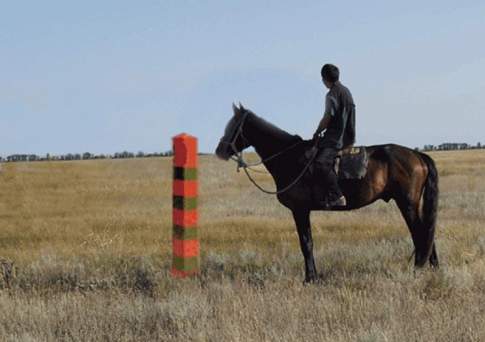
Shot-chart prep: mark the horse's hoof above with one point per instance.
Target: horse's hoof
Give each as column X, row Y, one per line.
column 310, row 280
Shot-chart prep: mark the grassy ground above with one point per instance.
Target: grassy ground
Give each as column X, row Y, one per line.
column 85, row 252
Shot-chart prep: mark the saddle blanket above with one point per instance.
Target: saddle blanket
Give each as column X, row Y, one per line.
column 350, row 163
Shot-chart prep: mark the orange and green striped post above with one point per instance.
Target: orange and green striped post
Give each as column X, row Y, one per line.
column 185, row 191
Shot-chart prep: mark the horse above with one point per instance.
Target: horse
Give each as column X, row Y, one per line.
column 394, row 172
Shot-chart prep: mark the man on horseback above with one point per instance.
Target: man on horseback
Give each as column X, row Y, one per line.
column 338, row 123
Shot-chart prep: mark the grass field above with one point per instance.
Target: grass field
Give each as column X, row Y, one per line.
column 85, row 251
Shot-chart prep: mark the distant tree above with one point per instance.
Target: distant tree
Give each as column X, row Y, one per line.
column 87, row 155
column 140, row 154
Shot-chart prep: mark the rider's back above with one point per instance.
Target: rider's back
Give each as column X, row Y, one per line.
column 340, row 132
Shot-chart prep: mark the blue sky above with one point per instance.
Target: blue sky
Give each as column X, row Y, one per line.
column 106, row 76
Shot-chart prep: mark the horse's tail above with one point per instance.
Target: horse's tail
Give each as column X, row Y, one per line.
column 430, row 209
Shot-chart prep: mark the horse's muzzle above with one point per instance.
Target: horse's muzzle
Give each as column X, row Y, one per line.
column 222, row 151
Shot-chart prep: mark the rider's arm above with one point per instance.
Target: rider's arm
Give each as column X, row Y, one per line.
column 330, row 104
column 323, row 124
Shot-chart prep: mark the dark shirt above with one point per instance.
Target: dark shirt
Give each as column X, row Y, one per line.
column 339, row 104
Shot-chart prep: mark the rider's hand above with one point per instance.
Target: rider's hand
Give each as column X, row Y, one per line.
column 316, row 136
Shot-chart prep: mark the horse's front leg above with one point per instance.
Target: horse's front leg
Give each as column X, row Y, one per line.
column 302, row 220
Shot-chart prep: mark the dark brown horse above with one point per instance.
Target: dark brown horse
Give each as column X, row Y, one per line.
column 394, row 172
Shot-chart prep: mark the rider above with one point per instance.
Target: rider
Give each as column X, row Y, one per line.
column 338, row 123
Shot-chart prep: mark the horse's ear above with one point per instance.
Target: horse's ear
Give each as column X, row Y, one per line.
column 241, row 107
column 235, row 109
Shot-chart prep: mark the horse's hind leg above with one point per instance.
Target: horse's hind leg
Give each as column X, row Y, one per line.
column 410, row 211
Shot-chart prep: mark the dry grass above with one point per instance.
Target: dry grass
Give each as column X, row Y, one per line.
column 85, row 251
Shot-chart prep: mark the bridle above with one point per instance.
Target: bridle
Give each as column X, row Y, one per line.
column 241, row 163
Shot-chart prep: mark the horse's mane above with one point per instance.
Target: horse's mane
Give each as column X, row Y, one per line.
column 273, row 130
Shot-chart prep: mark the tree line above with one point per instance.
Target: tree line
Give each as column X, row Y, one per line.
column 452, row 147
column 82, row 156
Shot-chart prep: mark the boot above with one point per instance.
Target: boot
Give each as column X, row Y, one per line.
column 335, row 204
column 339, row 202
column 326, row 204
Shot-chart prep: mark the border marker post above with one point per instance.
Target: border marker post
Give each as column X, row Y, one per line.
column 185, row 238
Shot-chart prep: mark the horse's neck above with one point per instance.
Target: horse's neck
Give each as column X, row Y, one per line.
column 267, row 140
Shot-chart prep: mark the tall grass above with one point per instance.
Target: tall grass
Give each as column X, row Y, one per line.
column 85, row 253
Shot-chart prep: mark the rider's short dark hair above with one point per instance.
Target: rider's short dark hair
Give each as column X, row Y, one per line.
column 330, row 73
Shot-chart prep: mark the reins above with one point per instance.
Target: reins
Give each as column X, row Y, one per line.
column 288, row 187
column 241, row 163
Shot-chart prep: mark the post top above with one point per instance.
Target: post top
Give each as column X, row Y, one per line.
column 185, row 151
column 184, row 136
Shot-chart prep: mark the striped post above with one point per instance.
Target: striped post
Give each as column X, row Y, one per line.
column 185, row 232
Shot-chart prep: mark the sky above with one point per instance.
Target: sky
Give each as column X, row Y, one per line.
column 107, row 76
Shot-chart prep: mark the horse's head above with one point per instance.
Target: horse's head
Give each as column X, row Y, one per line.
column 233, row 140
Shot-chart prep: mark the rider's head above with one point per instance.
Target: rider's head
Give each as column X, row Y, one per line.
column 330, row 75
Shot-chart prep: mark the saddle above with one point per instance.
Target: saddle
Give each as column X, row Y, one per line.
column 350, row 163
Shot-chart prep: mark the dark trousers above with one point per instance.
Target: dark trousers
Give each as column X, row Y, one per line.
column 327, row 179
